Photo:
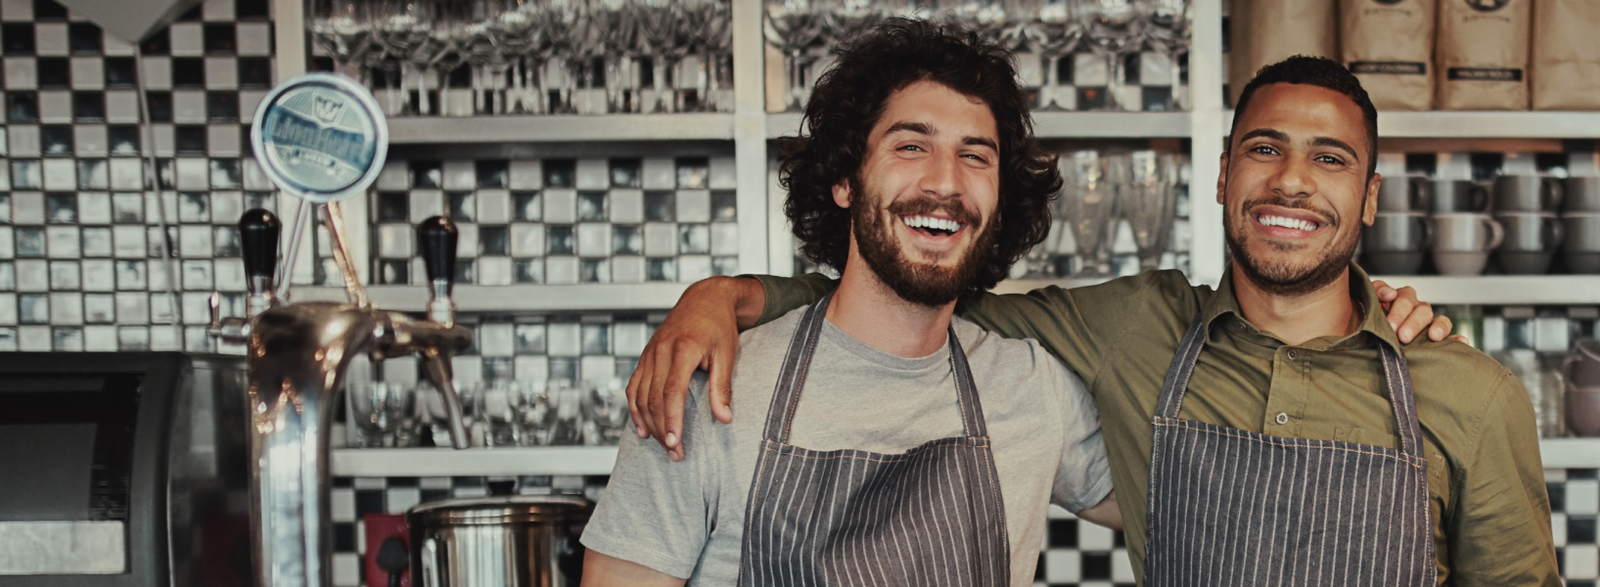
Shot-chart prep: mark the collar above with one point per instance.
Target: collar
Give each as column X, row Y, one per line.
column 1223, row 309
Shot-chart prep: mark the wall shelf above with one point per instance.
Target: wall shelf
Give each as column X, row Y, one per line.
column 592, row 297
column 1058, row 125
column 1502, row 290
column 561, row 128
column 1438, row 124
column 1558, row 453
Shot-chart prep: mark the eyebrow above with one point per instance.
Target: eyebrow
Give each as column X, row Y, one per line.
column 927, row 129
column 1279, row 136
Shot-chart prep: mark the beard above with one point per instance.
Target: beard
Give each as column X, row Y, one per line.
column 1288, row 277
column 919, row 283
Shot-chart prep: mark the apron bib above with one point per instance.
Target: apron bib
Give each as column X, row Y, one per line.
column 930, row 516
column 1232, row 507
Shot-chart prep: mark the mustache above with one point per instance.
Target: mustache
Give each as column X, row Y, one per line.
column 1291, row 203
column 920, row 205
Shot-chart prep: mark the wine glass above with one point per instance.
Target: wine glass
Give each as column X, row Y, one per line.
column 1169, row 23
column 1112, row 26
column 709, row 24
column 792, row 26
column 342, row 29
column 1055, row 33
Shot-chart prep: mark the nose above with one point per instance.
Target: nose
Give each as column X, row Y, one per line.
column 941, row 177
column 1294, row 178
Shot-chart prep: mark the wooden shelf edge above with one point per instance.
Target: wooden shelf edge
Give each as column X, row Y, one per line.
column 562, row 128
column 1570, row 453
column 596, row 297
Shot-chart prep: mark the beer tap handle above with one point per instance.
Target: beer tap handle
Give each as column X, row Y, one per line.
column 437, row 238
column 258, row 241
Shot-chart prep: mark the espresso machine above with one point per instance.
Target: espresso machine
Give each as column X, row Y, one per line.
column 321, row 138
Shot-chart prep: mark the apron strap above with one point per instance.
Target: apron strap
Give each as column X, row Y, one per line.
column 797, row 362
column 1183, row 361
column 792, row 377
column 1397, row 376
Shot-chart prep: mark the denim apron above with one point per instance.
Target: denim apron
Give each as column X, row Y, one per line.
column 1232, row 507
column 930, row 516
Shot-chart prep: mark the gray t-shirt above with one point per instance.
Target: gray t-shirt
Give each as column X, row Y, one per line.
column 687, row 519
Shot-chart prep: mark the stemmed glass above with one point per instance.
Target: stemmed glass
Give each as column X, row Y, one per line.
column 709, row 24
column 1147, row 203
column 792, row 26
column 1169, row 32
column 1056, row 34
column 342, row 29
column 1112, row 26
column 402, row 27
column 660, row 30
column 563, row 24
column 1086, row 204
column 448, row 54
column 618, row 24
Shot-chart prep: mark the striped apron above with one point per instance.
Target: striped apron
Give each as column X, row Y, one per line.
column 1232, row 507
column 930, row 516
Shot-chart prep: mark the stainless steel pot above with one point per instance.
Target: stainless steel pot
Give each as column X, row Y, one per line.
column 513, row 541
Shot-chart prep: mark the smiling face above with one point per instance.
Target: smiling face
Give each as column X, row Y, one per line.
column 922, row 206
column 1295, row 189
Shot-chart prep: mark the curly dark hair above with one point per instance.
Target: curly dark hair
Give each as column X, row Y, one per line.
column 1323, row 73
column 847, row 102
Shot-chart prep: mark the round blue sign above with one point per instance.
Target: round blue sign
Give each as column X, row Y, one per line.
column 320, row 137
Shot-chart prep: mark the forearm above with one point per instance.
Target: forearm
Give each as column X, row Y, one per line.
column 743, row 294
column 1104, row 513
column 601, row 570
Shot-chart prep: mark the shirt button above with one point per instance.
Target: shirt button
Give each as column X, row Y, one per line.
column 1292, row 355
column 1281, row 419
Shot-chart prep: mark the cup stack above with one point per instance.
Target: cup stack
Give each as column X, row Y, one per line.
column 1581, row 369
column 1580, row 217
column 1400, row 235
column 1525, row 206
column 1463, row 231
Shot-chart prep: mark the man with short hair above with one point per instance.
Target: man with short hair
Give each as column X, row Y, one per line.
column 1268, row 432
column 900, row 446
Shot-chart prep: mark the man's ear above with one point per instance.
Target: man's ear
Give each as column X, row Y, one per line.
column 841, row 193
column 1222, row 179
column 1369, row 204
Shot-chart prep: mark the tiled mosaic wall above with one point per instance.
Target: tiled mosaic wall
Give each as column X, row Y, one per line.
column 85, row 262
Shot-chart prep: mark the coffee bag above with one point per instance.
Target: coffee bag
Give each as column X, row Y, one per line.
column 1388, row 45
column 1264, row 32
column 1481, row 54
column 1566, row 55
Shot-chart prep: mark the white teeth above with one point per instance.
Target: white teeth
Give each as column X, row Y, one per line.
column 1294, row 223
column 932, row 222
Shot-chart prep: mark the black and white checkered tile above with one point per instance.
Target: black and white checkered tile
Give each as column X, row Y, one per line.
column 563, row 221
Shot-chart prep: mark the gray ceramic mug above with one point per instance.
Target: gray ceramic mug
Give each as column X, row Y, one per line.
column 1531, row 241
column 1582, row 194
column 1404, row 194
column 1453, row 196
column 1526, row 193
column 1581, row 250
column 1462, row 241
column 1396, row 243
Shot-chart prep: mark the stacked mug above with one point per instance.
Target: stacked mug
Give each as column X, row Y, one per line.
column 1525, row 206
column 1400, row 233
column 1464, row 232
column 1580, row 216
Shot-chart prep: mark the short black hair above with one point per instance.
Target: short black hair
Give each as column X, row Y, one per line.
column 847, row 102
column 1323, row 73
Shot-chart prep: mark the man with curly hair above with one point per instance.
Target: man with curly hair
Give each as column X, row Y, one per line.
column 920, row 180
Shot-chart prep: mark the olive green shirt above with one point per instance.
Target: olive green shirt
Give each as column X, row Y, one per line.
column 1490, row 510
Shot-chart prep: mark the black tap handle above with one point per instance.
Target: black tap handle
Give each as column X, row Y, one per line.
column 437, row 238
column 258, row 239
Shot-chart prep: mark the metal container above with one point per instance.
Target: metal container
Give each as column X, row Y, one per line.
column 513, row 541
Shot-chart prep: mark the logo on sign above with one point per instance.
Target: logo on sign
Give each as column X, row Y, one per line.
column 327, row 110
column 1487, row 5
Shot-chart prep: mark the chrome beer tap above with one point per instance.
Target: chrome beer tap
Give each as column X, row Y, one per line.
column 310, row 134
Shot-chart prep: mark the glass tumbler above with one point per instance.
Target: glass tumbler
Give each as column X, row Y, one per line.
column 605, row 406
column 566, row 396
